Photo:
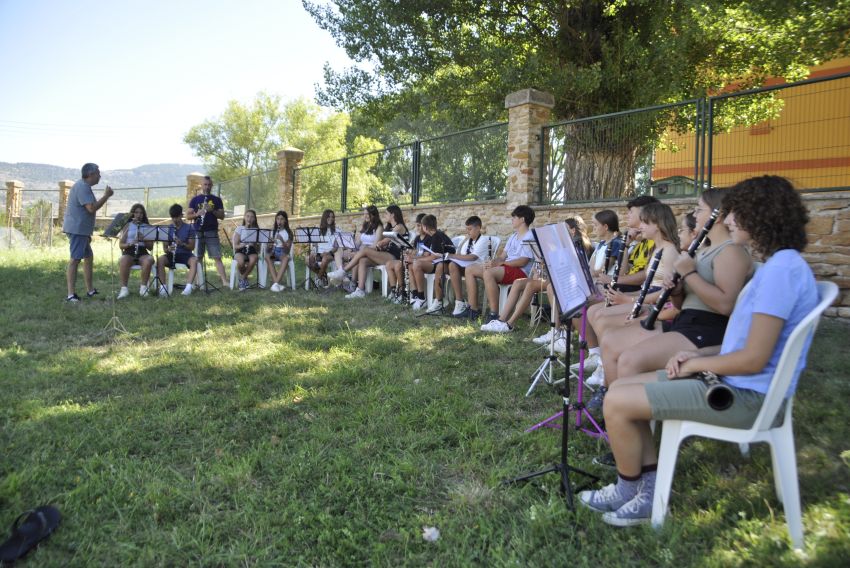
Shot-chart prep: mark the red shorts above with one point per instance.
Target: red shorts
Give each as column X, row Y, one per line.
column 512, row 273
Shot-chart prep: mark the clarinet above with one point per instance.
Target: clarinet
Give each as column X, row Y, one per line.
column 608, row 250
column 173, row 236
column 136, row 251
column 718, row 396
column 644, row 290
column 649, row 322
column 617, row 264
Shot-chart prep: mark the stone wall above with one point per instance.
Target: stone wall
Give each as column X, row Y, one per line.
column 828, row 252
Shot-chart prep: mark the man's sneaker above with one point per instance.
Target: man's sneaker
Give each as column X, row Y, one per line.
column 143, row 290
column 349, row 286
column 398, row 299
column 275, row 287
column 123, row 293
column 163, row 292
column 597, row 379
column 460, row 307
column 73, row 299
column 358, row 293
column 491, row 316
column 435, row 306
column 607, row 499
column 605, row 460
column 187, row 291
column 590, row 363
column 243, row 284
column 596, row 401
column 418, row 303
column 497, row 326
column 636, row 511
column 92, row 293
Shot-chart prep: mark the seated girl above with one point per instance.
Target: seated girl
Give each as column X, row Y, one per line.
column 767, row 215
column 279, row 252
column 135, row 251
column 395, row 268
column 245, row 254
column 371, row 233
column 325, row 250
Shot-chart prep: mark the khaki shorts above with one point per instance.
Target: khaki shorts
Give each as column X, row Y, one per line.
column 684, row 399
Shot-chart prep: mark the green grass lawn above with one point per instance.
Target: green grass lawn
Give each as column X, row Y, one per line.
column 295, row 429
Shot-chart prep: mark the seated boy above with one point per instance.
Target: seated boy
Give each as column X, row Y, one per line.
column 439, row 244
column 182, row 237
column 512, row 263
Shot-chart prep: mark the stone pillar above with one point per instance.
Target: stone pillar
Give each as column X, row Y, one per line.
column 14, row 195
column 194, row 185
column 64, row 188
column 288, row 188
column 528, row 112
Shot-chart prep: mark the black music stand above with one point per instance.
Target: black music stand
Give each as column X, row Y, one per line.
column 202, row 259
column 572, row 291
column 261, row 238
column 311, row 237
column 163, row 235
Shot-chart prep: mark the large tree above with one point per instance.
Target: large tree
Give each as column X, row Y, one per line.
column 453, row 61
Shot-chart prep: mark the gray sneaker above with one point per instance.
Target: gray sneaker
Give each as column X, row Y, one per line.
column 605, row 500
column 638, row 510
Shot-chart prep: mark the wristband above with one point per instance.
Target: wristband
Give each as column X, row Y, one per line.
column 688, row 274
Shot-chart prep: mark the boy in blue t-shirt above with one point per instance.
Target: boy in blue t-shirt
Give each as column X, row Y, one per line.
column 181, row 243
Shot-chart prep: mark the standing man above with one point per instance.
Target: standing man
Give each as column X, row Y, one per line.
column 205, row 210
column 78, row 224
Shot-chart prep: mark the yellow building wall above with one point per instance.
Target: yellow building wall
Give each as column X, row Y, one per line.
column 809, row 142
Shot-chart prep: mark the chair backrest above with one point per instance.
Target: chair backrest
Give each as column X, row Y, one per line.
column 827, row 291
column 458, row 240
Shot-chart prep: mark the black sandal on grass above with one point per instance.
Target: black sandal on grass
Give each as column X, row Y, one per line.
column 30, row 528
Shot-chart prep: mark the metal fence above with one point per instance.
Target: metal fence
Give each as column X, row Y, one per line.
column 257, row 191
column 470, row 165
column 800, row 131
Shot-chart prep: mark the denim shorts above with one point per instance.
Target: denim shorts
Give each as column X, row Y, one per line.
column 80, row 246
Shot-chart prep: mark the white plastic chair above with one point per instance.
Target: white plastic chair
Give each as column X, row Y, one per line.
column 263, row 272
column 503, row 288
column 170, row 285
column 429, row 278
column 781, row 438
column 309, row 273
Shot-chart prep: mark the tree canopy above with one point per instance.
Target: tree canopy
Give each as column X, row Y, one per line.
column 456, row 60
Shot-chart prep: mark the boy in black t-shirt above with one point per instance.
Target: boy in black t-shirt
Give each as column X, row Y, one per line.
column 440, row 244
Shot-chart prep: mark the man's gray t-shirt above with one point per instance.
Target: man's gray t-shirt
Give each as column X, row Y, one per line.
column 78, row 220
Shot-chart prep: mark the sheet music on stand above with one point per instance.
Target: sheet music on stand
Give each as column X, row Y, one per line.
column 308, row 235
column 147, row 232
column 118, row 222
column 346, row 240
column 568, row 270
column 253, row 236
column 160, row 233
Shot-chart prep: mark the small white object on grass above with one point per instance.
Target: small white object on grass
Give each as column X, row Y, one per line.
column 431, row 534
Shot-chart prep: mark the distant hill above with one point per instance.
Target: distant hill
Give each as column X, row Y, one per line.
column 45, row 176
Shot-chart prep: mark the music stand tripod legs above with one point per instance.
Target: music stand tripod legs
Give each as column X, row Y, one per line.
column 563, row 467
column 546, row 370
column 202, row 262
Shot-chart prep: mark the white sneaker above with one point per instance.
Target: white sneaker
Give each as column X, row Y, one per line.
column 418, row 303
column 123, row 293
column 545, row 338
column 560, row 346
column 275, row 287
column 436, row 305
column 336, row 277
column 143, row 290
column 497, row 326
column 590, row 363
column 460, row 307
column 358, row 293
column 187, row 291
column 163, row 292
column 597, row 379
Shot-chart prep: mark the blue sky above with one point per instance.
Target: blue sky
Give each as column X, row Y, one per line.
column 120, row 82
